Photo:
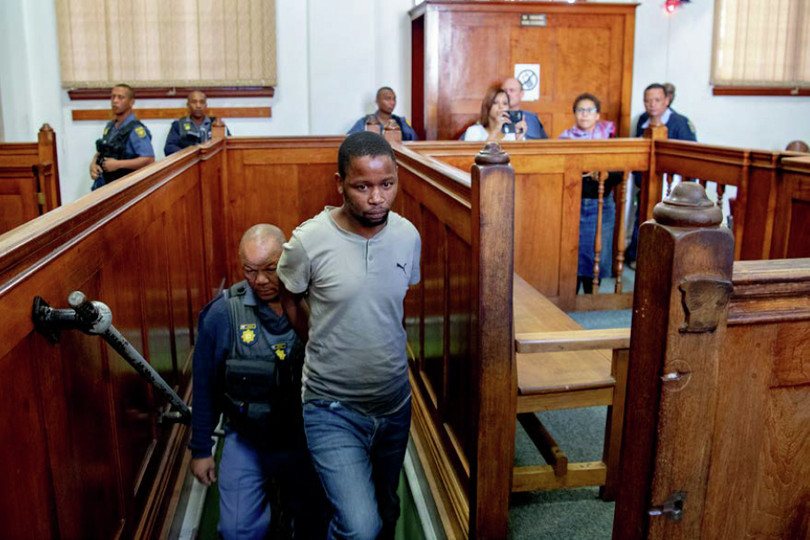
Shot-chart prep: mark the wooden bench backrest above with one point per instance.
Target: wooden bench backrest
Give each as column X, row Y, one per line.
column 29, row 179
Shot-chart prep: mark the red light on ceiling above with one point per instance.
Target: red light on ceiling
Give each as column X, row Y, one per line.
column 671, row 5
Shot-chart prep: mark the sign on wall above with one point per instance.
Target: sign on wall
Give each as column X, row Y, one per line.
column 529, row 77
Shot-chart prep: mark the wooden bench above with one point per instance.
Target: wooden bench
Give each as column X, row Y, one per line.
column 562, row 366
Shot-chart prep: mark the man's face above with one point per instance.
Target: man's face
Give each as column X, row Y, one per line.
column 386, row 101
column 369, row 189
column 655, row 102
column 120, row 101
column 515, row 92
column 259, row 261
column 197, row 105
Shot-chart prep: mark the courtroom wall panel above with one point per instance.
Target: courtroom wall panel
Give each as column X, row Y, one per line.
column 282, row 181
column 461, row 48
column 88, row 455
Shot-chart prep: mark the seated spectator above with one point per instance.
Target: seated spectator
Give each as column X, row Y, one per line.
column 656, row 105
column 494, row 116
column 384, row 118
column 192, row 129
column 587, row 113
column 534, row 128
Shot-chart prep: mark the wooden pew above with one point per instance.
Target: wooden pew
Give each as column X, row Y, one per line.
column 29, row 179
column 717, row 424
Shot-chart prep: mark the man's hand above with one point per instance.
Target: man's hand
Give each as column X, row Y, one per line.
column 204, row 470
column 110, row 164
column 520, row 130
column 95, row 170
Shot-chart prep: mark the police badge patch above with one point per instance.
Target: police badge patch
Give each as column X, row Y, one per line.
column 140, row 132
column 247, row 333
column 280, row 350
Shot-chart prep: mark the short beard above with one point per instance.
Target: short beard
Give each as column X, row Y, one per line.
column 366, row 222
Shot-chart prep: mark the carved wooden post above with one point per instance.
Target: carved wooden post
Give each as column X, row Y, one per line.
column 47, row 154
column 651, row 184
column 493, row 203
column 683, row 283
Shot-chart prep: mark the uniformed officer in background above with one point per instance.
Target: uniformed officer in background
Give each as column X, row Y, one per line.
column 192, row 129
column 247, row 363
column 125, row 145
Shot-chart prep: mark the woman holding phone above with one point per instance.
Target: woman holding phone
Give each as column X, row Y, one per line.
column 495, row 123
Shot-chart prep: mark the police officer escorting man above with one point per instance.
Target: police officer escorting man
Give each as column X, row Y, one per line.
column 247, row 364
column 192, row 129
column 125, row 145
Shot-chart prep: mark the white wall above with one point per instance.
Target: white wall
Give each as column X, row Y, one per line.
column 332, row 56
column 677, row 48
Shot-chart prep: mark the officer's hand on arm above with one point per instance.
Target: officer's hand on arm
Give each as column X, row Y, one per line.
column 95, row 170
column 204, row 470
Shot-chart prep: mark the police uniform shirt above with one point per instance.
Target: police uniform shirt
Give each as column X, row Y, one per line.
column 179, row 138
column 139, row 142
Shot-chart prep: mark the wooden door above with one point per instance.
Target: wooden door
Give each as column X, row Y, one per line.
column 718, row 403
column 460, row 49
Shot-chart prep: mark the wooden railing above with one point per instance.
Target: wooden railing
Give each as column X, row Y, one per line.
column 29, row 179
column 764, row 195
column 89, row 458
column 548, row 185
column 86, row 455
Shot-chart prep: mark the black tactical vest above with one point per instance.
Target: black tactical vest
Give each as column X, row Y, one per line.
column 114, row 147
column 262, row 377
column 191, row 133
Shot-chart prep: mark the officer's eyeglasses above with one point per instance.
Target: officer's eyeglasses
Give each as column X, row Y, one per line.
column 586, row 110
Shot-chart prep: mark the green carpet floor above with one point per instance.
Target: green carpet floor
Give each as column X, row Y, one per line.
column 573, row 514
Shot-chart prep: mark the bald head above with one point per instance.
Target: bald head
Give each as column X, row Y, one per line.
column 263, row 234
column 197, row 105
column 259, row 251
column 514, row 90
column 797, row 146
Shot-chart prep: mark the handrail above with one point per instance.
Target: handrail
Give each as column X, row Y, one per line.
column 572, row 340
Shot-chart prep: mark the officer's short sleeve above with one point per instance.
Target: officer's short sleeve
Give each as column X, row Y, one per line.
column 141, row 142
column 294, row 266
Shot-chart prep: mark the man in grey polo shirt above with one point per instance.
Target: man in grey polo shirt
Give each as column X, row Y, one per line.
column 354, row 264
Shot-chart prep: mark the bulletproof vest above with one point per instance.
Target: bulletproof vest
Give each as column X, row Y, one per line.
column 262, row 377
column 191, row 133
column 114, row 147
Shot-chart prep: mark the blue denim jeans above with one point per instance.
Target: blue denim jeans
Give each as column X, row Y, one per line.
column 588, row 214
column 244, row 476
column 359, row 459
